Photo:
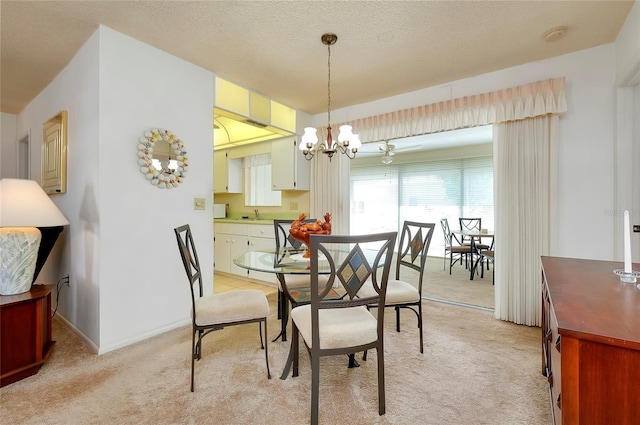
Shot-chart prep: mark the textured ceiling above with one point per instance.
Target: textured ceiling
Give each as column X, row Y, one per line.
column 384, row 48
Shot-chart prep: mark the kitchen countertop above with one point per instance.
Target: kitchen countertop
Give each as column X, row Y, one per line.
column 243, row 220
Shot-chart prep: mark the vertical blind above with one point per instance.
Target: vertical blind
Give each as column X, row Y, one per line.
column 384, row 196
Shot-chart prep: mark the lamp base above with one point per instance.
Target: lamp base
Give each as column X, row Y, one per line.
column 19, row 247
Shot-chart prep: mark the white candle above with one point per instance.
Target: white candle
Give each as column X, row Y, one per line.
column 627, row 244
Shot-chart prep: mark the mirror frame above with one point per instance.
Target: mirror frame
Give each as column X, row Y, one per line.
column 162, row 180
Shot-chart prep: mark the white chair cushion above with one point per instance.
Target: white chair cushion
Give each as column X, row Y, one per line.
column 398, row 292
column 296, row 281
column 303, row 280
column 339, row 327
column 233, row 306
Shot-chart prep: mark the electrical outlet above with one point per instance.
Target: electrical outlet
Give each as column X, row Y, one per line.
column 293, row 206
column 67, row 280
column 636, row 228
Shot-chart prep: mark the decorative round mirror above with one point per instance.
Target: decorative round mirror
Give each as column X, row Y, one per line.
column 162, row 158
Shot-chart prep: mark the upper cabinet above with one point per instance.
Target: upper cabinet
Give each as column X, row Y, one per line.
column 289, row 169
column 242, row 116
column 227, row 173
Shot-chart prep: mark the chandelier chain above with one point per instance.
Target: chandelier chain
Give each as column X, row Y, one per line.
column 329, row 85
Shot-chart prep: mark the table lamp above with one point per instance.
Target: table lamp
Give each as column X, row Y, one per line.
column 30, row 224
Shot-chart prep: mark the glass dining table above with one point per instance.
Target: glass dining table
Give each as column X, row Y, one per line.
column 474, row 237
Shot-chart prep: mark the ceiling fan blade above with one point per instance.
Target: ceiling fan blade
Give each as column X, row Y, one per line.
column 383, row 146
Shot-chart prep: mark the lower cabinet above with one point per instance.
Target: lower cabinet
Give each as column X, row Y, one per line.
column 234, row 239
column 590, row 342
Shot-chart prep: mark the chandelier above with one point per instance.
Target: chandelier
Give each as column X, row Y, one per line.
column 348, row 143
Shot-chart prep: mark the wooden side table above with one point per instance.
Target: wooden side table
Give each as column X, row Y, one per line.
column 25, row 333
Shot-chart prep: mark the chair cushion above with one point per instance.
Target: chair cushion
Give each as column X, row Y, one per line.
column 233, row 306
column 339, row 327
column 398, row 292
column 297, row 281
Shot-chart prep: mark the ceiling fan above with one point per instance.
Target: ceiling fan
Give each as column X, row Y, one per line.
column 387, row 150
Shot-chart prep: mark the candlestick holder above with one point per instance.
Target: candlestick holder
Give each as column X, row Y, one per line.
column 627, row 277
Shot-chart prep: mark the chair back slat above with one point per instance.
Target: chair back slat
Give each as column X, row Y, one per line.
column 190, row 261
column 414, row 247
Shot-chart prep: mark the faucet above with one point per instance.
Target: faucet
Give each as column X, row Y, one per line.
column 257, row 214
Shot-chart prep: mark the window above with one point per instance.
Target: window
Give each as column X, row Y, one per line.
column 257, row 182
column 384, row 196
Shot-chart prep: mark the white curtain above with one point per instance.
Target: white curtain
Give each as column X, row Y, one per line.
column 523, row 152
column 330, row 191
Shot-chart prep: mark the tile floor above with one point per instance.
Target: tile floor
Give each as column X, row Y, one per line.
column 225, row 283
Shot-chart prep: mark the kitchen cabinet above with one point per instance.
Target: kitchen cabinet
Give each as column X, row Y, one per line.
column 240, row 103
column 261, row 237
column 590, row 342
column 227, row 173
column 230, row 240
column 234, row 239
column 289, row 169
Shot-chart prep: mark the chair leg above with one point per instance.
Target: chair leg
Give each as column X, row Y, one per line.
column 397, row 319
column 420, row 326
column 260, row 330
column 381, row 397
column 193, row 356
column 296, row 348
column 315, row 388
column 266, row 347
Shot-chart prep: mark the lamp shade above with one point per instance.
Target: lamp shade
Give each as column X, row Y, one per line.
column 23, row 203
column 25, row 207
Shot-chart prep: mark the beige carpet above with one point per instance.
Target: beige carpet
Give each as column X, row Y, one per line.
column 455, row 287
column 475, row 370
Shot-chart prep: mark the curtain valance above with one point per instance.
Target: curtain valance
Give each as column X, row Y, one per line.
column 516, row 103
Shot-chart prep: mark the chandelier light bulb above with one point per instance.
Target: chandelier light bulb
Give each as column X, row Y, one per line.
column 309, row 139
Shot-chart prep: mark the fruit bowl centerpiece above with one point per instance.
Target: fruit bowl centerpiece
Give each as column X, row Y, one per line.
column 301, row 231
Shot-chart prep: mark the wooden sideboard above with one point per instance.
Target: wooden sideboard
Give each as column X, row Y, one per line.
column 590, row 342
column 25, row 338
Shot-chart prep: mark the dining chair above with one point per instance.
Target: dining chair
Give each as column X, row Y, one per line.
column 285, row 244
column 411, row 257
column 456, row 252
column 472, row 225
column 330, row 327
column 217, row 311
column 489, row 256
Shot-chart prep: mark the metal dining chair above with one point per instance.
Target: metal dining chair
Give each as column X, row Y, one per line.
column 455, row 251
column 217, row 311
column 411, row 257
column 330, row 327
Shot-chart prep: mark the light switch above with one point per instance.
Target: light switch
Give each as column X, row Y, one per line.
column 199, row 203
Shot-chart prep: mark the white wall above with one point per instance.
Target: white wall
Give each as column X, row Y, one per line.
column 585, row 175
column 75, row 90
column 8, row 146
column 143, row 286
column 127, row 279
